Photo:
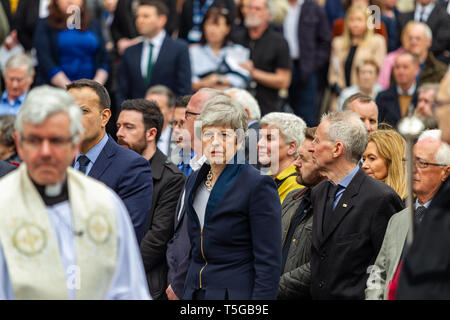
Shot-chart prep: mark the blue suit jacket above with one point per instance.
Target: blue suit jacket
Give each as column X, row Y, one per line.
column 237, row 254
column 130, row 176
column 172, row 68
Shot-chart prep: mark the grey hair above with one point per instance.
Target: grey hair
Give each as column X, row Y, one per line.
column 20, row 60
column 221, row 110
column 427, row 29
column 292, row 128
column 443, row 153
column 346, row 127
column 271, row 8
column 45, row 101
column 429, row 86
column 247, row 100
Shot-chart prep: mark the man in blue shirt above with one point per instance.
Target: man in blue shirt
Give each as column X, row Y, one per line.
column 19, row 75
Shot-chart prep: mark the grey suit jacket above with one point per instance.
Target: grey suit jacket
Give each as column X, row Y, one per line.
column 383, row 270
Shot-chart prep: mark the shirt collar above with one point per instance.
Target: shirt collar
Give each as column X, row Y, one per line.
column 19, row 100
column 94, row 152
column 157, row 40
column 426, row 205
column 252, row 123
column 408, row 92
column 348, row 178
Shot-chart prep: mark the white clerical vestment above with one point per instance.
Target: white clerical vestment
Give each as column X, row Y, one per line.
column 84, row 248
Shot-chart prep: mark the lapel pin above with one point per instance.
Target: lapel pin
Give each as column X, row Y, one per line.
column 344, row 205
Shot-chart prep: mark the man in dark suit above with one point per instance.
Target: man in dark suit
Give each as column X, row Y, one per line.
column 436, row 17
column 124, row 171
column 395, row 102
column 139, row 127
column 351, row 210
column 307, row 31
column 158, row 59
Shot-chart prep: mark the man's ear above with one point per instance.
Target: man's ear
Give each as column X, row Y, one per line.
column 106, row 114
column 150, row 134
column 338, row 149
column 292, row 148
column 445, row 173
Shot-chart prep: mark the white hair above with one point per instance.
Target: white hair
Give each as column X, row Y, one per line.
column 292, row 128
column 347, row 128
column 442, row 155
column 45, row 101
column 247, row 101
column 20, row 60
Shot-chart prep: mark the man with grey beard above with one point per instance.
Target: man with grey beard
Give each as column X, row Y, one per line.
column 297, row 218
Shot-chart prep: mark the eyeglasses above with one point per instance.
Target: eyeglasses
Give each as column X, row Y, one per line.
column 438, row 104
column 175, row 123
column 420, row 163
column 36, row 141
column 190, row 113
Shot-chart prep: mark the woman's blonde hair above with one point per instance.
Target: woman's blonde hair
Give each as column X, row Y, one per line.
column 392, row 147
column 369, row 32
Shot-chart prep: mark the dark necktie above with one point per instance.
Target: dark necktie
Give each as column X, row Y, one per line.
column 420, row 211
column 422, row 13
column 327, row 217
column 149, row 65
column 83, row 161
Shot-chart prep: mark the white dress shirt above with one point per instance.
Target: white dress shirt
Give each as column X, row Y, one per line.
column 419, row 9
column 290, row 28
column 157, row 42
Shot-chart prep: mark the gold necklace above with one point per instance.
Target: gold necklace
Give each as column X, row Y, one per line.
column 208, row 183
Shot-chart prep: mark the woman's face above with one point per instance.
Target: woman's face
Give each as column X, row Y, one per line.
column 219, row 144
column 216, row 31
column 367, row 76
column 65, row 4
column 357, row 24
column 374, row 164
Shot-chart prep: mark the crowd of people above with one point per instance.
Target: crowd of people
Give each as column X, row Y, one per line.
column 219, row 149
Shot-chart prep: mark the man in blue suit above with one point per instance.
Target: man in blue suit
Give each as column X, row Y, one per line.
column 158, row 59
column 123, row 170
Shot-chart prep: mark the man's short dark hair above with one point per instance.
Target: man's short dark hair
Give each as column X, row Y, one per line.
column 161, row 7
column 183, row 101
column 151, row 114
column 361, row 97
column 102, row 93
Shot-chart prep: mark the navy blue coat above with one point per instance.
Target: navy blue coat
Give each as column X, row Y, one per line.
column 130, row 176
column 172, row 68
column 237, row 254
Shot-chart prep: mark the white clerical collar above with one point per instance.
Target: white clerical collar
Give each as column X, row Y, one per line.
column 408, row 92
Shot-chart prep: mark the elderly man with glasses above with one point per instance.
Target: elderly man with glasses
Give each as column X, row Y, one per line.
column 431, row 168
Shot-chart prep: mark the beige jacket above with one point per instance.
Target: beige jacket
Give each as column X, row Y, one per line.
column 376, row 50
column 382, row 272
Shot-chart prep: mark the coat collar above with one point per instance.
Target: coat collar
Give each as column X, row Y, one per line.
column 157, row 163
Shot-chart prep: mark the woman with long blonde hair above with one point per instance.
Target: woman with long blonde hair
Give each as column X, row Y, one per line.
column 358, row 43
column 383, row 159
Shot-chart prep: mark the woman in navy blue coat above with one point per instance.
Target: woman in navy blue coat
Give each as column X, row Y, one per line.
column 234, row 214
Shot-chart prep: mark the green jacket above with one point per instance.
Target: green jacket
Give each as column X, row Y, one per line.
column 383, row 270
column 295, row 281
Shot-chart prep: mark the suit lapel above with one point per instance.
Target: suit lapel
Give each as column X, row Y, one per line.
column 104, row 160
column 322, row 189
column 345, row 204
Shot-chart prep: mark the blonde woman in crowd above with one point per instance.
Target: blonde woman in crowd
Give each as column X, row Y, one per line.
column 383, row 159
column 358, row 43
